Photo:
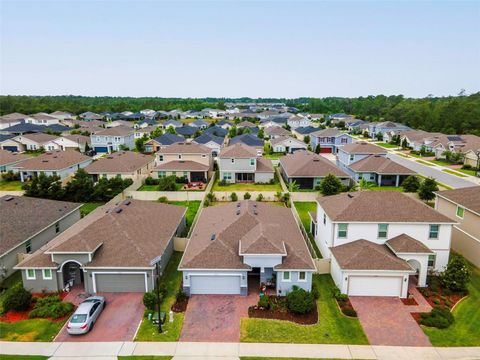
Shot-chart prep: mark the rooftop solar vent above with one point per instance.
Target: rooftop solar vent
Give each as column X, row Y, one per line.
column 127, row 202
column 254, row 205
column 118, row 210
column 255, row 212
column 212, row 237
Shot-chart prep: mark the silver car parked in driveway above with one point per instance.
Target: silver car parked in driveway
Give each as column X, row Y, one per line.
column 86, row 315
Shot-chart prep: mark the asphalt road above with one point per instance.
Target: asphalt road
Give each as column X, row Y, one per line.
column 440, row 176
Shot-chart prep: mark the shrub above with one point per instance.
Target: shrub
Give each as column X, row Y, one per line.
column 331, row 185
column 260, row 197
column 151, row 181
column 427, row 188
column 10, row 176
column 439, row 317
column 315, row 291
column 247, row 196
column 300, row 301
column 150, row 300
column 233, row 196
column 17, row 298
column 457, row 275
column 206, row 203
column 211, row 197
column 51, row 307
column 436, row 301
column 263, row 302
column 181, row 296
column 411, row 184
column 467, row 167
column 350, row 312
column 167, row 183
column 222, row 182
column 163, row 199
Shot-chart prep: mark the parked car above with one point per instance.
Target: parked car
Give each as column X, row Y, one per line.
column 86, row 315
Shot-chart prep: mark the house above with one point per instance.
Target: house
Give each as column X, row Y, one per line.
column 308, row 169
column 10, row 159
column 246, row 124
column 330, row 140
column 90, row 116
column 273, row 122
column 303, row 131
column 123, row 164
column 9, row 120
column 26, row 128
column 116, row 123
column 242, row 244
column 59, row 163
column 113, row 139
column 266, row 114
column 27, row 224
column 94, row 260
column 214, row 113
column 142, row 132
column 315, row 117
column 242, row 163
column 472, row 158
column 188, row 160
column 171, row 123
column 296, row 121
column 42, row 119
column 7, row 142
column 463, row 205
column 249, row 140
column 274, row 132
column 199, row 124
column 287, row 144
column 455, row 143
column 217, row 131
column 224, row 124
column 187, row 130
column 376, row 240
column 153, row 145
column 213, row 142
column 351, row 153
column 380, row 170
column 62, row 115
column 384, row 127
column 37, row 141
column 149, row 122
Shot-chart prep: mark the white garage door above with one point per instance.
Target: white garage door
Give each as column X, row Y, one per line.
column 375, row 285
column 120, row 282
column 208, row 284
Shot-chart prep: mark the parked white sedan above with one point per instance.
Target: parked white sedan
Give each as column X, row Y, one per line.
column 87, row 313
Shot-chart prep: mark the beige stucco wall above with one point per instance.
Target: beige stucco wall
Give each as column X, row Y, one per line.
column 205, row 159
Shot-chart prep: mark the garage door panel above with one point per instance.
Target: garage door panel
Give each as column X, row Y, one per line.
column 120, row 282
column 210, row 284
column 375, row 285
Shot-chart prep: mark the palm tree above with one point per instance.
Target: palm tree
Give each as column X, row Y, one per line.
column 293, row 186
column 365, row 185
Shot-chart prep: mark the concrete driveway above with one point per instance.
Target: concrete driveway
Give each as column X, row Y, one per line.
column 117, row 322
column 387, row 321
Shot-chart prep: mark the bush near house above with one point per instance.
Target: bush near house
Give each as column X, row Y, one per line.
column 427, row 188
column 331, row 185
column 17, row 298
column 51, row 307
column 300, row 301
column 439, row 317
column 411, row 184
column 456, row 276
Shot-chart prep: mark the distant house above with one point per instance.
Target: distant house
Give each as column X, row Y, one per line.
column 213, row 142
column 246, row 124
column 217, row 131
column 274, row 132
column 188, row 160
column 384, row 127
column 113, row 139
column 27, row 224
column 224, row 124
column 298, row 121
column 62, row 115
column 199, row 124
column 301, row 132
column 171, row 123
column 274, row 122
column 9, row 159
column 7, row 143
column 90, row 116
column 42, row 119
column 349, row 154
column 91, row 256
column 125, row 123
column 149, row 122
column 27, row 128
column 187, row 130
column 330, row 140
column 287, row 144
column 38, row 141
column 308, row 169
column 153, row 145
column 248, row 139
column 60, row 163
column 9, row 120
column 142, row 132
column 242, row 163
column 123, row 164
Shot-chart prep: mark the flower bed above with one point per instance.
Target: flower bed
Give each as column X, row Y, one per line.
column 436, row 295
column 180, row 305
column 279, row 311
column 409, row 301
column 346, row 307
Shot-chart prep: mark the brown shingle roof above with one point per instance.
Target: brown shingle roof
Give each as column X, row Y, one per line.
column 80, row 139
column 54, row 160
column 238, row 150
column 7, row 157
column 468, row 197
column 264, row 165
column 120, row 241
column 119, row 162
column 246, row 124
column 363, row 148
column 40, row 138
column 22, row 217
column 308, row 164
column 258, row 228
column 379, row 206
column 380, row 165
column 276, row 130
column 406, row 244
column 326, row 132
column 182, row 165
column 116, row 131
column 185, row 148
column 366, row 255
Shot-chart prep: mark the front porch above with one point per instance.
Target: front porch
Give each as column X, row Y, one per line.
column 390, row 179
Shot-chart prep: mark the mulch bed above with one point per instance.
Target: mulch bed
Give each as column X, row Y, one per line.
column 438, row 298
column 282, row 313
column 409, row 301
column 416, row 317
column 346, row 308
column 180, row 306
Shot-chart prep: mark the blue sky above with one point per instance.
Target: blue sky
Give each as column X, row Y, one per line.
column 233, row 49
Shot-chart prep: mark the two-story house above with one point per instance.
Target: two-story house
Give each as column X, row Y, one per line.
column 376, row 240
column 330, row 140
column 242, row 244
column 463, row 205
column 242, row 163
column 113, row 139
column 191, row 161
column 296, row 121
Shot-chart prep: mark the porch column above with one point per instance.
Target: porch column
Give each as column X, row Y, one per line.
column 397, row 180
column 379, row 180
column 21, row 176
column 422, row 276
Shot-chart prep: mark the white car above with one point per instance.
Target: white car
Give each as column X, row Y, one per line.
column 87, row 313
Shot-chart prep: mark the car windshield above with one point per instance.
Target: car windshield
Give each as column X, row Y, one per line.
column 78, row 318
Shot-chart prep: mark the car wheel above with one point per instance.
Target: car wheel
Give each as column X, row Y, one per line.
column 91, row 327
column 104, row 304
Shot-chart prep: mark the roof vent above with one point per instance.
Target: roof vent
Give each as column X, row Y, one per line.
column 44, row 161
column 350, row 196
column 255, row 212
column 254, row 205
column 118, row 210
column 127, row 202
column 212, row 237
column 238, row 212
column 238, row 205
column 9, row 198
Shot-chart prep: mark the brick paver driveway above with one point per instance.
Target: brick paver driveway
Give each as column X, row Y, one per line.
column 387, row 321
column 117, row 322
column 216, row 317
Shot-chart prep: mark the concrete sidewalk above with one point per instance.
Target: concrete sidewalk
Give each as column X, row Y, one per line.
column 230, row 351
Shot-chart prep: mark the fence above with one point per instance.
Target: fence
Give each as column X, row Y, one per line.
column 170, row 195
column 322, row 265
column 304, row 196
column 179, row 244
column 225, row 195
column 304, row 233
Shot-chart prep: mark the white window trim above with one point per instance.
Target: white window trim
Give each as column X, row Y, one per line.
column 302, row 280
column 430, row 231
column 34, row 277
column 338, row 232
column 456, row 212
column 378, row 232
column 289, row 276
column 47, row 277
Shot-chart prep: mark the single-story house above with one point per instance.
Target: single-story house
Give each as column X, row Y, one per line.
column 273, row 132
column 186, row 130
column 199, row 124
column 124, row 164
column 8, row 160
column 249, row 140
column 171, row 123
column 96, row 259
column 287, row 144
column 153, row 145
column 301, row 132
column 217, row 131
column 9, row 120
column 27, row 224
column 244, row 244
column 213, row 142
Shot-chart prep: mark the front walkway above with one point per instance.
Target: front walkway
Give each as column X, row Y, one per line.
column 387, row 321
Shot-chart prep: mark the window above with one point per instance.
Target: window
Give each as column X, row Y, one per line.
column 28, row 246
column 233, row 161
column 324, row 219
column 47, row 274
column 431, row 260
column 460, row 212
column 352, row 157
column 382, row 230
column 286, row 276
column 185, row 174
column 174, row 173
column 160, row 157
column 31, row 274
column 57, row 228
column 179, row 156
column 372, row 176
column 54, row 173
column 302, row 276
column 161, row 174
column 344, row 140
column 433, row 233
column 342, row 230
column 252, row 162
column 227, row 176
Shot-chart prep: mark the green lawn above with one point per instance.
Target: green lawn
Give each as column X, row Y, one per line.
column 415, row 155
column 441, row 162
column 465, row 331
column 144, row 187
column 468, row 172
column 171, row 331
column 386, row 188
column 30, row 330
column 192, row 209
column 11, row 186
column 454, row 173
column 274, row 156
column 424, row 162
column 23, row 357
column 303, row 209
column 387, row 145
column 87, row 208
column 248, row 186
column 332, row 327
